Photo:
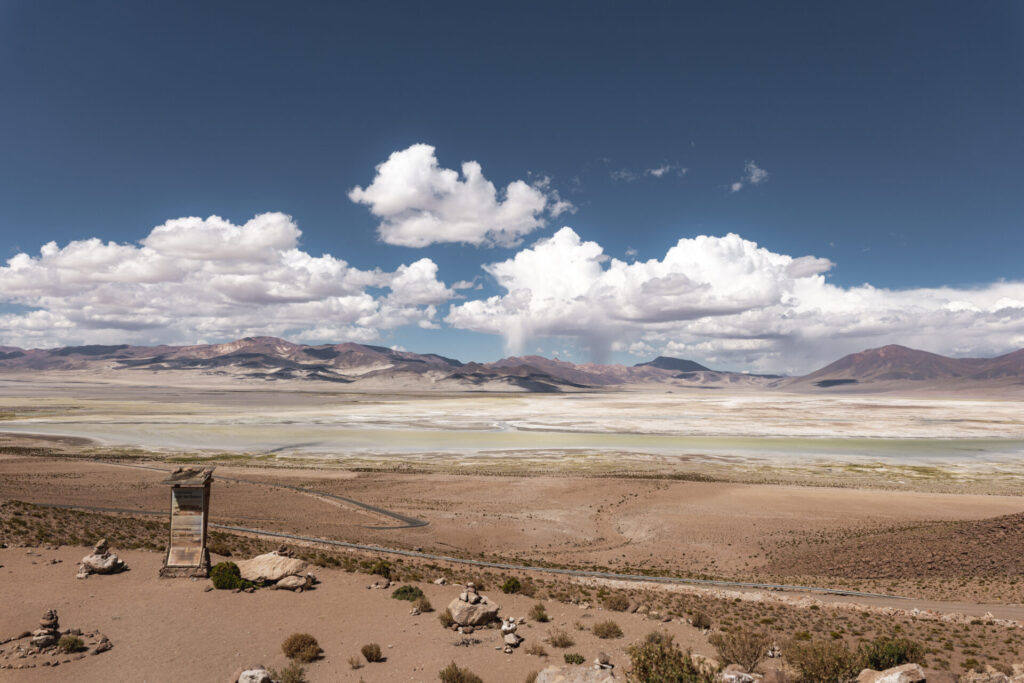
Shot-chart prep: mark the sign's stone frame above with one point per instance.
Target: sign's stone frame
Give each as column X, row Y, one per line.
column 187, row 555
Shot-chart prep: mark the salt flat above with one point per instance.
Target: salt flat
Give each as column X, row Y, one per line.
column 697, row 426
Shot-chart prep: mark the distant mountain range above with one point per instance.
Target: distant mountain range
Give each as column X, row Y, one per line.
column 268, row 359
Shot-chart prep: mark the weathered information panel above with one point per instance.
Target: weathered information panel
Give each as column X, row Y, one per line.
column 187, row 521
column 187, row 555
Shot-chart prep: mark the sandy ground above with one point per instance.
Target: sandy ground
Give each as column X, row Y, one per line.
column 712, row 528
column 171, row 630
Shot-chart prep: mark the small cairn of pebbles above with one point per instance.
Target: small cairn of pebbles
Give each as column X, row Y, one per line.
column 43, row 647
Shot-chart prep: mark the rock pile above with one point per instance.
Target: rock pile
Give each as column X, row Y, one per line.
column 48, row 632
column 914, row 673
column 40, row 647
column 509, row 635
column 100, row 561
column 470, row 608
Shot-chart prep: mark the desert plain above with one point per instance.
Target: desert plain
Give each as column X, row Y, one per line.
column 914, row 499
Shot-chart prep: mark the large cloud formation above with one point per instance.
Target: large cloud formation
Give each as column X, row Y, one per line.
column 192, row 279
column 728, row 301
column 420, row 203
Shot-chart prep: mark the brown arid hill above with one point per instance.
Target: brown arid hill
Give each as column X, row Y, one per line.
column 364, row 367
column 991, row 547
column 894, row 366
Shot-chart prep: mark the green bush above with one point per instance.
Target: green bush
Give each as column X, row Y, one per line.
column 573, row 658
column 371, row 652
column 746, row 648
column 69, row 643
column 823, row 661
column 885, row 653
column 409, row 593
column 381, row 568
column 226, row 576
column 607, row 629
column 453, row 674
column 511, row 585
column 301, row 647
column 657, row 659
column 538, row 613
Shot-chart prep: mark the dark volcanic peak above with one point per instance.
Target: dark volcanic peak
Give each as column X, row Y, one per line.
column 675, row 364
column 894, row 362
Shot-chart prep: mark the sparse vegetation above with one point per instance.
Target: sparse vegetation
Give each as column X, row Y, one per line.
column 823, row 661
column 743, row 647
column 536, row 649
column 617, row 602
column 885, row 653
column 561, row 639
column 69, row 643
column 701, row 621
column 410, row 593
column 538, row 613
column 423, row 605
column 382, row 568
column 372, row 653
column 607, row 629
column 355, row 662
column 532, row 677
column 293, row 673
column 511, row 585
column 446, row 618
column 301, row 647
column 455, row 674
column 226, row 576
column 573, row 658
column 657, row 659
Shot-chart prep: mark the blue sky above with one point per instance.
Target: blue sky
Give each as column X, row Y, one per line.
column 882, row 137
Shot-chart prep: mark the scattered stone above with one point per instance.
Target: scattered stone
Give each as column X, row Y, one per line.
column 100, row 561
column 295, row 583
column 603, row 661
column 512, row 639
column 441, row 581
column 734, row 673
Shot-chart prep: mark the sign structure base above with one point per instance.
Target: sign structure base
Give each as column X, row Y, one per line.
column 200, row 572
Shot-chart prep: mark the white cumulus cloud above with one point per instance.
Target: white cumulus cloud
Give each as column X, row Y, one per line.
column 420, row 203
column 731, row 302
column 194, row 278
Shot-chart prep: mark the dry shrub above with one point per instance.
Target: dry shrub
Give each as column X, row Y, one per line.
column 823, row 661
column 372, row 652
column 657, row 659
column 293, row 673
column 607, row 629
column 454, row 674
column 746, row 648
column 446, row 618
column 561, row 639
column 617, row 602
column 301, row 647
column 538, row 613
column 536, row 649
column 69, row 643
column 423, row 605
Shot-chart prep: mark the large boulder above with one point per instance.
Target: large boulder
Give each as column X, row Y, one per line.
column 469, row 608
column 271, row 567
column 295, row 583
column 258, row 675
column 575, row 674
column 907, row 673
